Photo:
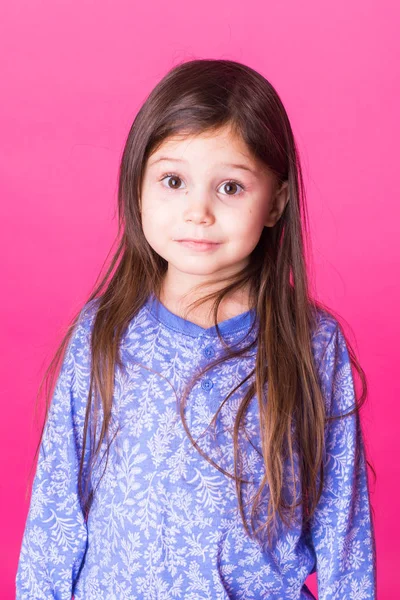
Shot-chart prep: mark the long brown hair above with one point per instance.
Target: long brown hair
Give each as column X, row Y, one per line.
column 195, row 97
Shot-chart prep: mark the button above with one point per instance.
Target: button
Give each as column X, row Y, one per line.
column 207, row 384
column 209, row 351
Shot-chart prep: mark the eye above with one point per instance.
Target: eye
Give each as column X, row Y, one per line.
column 173, row 178
column 233, row 184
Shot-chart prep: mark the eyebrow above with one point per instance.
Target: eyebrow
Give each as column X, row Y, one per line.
column 233, row 165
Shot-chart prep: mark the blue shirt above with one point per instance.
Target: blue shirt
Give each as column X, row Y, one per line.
column 165, row 523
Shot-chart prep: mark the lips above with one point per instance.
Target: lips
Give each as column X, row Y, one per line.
column 197, row 244
column 197, row 241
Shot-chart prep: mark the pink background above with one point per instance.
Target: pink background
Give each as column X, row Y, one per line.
column 74, row 74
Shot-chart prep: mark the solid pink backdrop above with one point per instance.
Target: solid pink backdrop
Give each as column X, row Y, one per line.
column 74, row 74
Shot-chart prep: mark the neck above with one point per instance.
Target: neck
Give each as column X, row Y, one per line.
column 178, row 302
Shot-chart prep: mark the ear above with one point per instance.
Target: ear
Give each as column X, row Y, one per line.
column 278, row 203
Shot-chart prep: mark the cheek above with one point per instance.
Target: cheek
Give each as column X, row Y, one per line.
column 257, row 215
column 156, row 223
column 249, row 223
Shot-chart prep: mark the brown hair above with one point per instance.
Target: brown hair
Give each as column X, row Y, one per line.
column 195, row 97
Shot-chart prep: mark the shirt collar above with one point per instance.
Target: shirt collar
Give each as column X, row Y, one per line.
column 238, row 323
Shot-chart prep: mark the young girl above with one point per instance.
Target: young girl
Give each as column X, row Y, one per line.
column 204, row 438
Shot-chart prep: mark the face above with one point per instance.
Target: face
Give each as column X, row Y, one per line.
column 204, row 203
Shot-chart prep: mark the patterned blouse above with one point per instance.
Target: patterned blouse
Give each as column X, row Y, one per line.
column 164, row 523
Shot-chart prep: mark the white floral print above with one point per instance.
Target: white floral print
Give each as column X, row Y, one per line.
column 165, row 523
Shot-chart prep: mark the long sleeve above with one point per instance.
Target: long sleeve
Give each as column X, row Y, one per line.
column 342, row 529
column 55, row 536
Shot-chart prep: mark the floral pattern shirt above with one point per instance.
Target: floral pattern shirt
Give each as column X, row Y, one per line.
column 165, row 523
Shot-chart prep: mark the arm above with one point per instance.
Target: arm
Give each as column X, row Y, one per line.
column 342, row 529
column 55, row 536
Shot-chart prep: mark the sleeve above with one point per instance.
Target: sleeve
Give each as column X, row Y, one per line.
column 342, row 529
column 55, row 536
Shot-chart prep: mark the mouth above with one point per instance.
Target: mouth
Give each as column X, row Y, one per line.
column 198, row 244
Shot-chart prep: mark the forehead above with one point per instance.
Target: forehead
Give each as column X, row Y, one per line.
column 222, row 139
column 223, row 144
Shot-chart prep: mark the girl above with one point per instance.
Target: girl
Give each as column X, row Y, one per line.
column 215, row 453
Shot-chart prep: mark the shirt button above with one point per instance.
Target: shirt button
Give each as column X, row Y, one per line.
column 207, row 384
column 209, row 351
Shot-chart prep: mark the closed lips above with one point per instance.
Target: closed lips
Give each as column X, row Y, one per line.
column 198, row 241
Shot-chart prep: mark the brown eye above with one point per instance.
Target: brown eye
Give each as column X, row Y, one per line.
column 228, row 187
column 174, row 179
column 232, row 188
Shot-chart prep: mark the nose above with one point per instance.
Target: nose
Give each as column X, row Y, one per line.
column 197, row 208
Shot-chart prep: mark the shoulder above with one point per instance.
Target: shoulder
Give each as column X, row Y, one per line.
column 324, row 326
column 84, row 323
column 329, row 344
column 88, row 313
column 78, row 352
column 333, row 362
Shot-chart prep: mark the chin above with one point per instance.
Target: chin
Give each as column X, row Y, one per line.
column 193, row 270
column 196, row 266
